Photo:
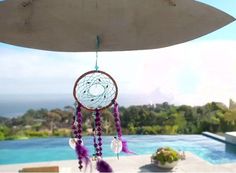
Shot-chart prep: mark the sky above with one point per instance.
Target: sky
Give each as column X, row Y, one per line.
column 192, row 73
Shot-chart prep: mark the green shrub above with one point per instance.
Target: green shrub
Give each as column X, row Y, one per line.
column 62, row 132
column 30, row 133
column 166, row 154
column 2, row 136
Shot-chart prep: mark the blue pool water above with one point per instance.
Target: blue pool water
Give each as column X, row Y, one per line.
column 51, row 149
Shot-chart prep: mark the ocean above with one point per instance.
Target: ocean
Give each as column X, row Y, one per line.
column 16, row 105
column 12, row 105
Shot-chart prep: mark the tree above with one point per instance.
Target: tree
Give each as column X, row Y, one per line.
column 53, row 116
column 230, row 116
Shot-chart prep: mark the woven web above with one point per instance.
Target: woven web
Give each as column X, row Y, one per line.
column 95, row 90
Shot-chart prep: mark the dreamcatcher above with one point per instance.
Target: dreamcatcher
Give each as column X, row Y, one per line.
column 95, row 91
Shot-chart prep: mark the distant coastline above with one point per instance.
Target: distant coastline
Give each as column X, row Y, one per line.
column 17, row 105
column 13, row 105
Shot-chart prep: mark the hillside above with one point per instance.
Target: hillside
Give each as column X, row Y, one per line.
column 146, row 119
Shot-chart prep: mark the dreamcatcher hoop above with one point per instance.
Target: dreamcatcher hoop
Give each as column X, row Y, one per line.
column 95, row 90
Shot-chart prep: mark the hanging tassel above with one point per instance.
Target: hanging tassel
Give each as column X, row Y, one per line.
column 83, row 155
column 125, row 148
column 103, row 166
column 118, row 129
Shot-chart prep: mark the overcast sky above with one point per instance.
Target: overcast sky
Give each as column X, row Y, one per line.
column 192, row 73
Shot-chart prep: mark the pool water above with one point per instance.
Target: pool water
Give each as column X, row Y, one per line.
column 52, row 149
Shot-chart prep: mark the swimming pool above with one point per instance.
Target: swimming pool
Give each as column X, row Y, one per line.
column 51, row 149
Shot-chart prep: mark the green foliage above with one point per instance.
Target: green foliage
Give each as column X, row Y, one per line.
column 148, row 130
column 147, row 119
column 2, row 136
column 62, row 132
column 4, row 129
column 166, row 154
column 230, row 116
column 30, row 133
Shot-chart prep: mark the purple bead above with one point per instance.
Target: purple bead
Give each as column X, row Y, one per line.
column 99, row 129
column 100, row 139
column 79, row 131
column 99, row 133
column 100, row 144
column 79, row 120
column 80, row 162
column 79, row 115
column 79, row 141
column 80, row 167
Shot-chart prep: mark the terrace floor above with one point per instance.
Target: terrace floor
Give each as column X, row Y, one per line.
column 131, row 164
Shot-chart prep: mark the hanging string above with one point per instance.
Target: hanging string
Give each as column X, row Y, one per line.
column 97, row 48
column 96, row 64
column 99, row 133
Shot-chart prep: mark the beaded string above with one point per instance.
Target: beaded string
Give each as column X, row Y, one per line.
column 99, row 133
column 74, row 126
column 118, row 128
column 79, row 119
column 117, row 120
column 95, row 142
column 94, row 136
column 77, row 131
